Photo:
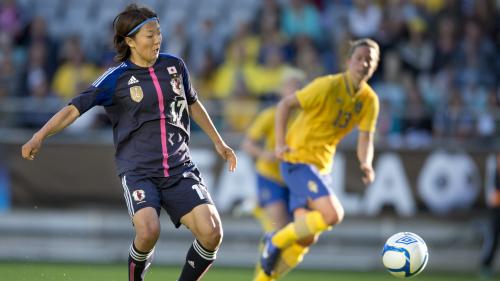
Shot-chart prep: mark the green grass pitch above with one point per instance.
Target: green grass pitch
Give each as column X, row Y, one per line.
column 92, row 272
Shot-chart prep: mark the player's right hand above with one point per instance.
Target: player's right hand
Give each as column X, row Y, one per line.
column 280, row 151
column 268, row 155
column 31, row 148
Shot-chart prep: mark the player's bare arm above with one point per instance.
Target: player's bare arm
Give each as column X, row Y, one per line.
column 365, row 156
column 62, row 119
column 201, row 117
column 255, row 150
column 283, row 110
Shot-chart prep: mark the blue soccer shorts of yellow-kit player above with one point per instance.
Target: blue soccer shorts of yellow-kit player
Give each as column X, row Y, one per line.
column 270, row 191
column 177, row 194
column 304, row 182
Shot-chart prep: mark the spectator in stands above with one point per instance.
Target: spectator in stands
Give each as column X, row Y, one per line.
column 307, row 58
column 36, row 65
column 205, row 80
column 232, row 76
column 454, row 120
column 416, row 119
column 301, row 18
column 266, row 78
column 392, row 97
column 416, row 52
column 492, row 236
column 364, row 19
column 244, row 35
column 232, row 87
column 206, row 38
column 10, row 18
column 268, row 16
column 445, row 46
column 476, row 57
column 42, row 102
column 75, row 72
column 178, row 43
column 335, row 14
column 36, row 34
column 9, row 77
column 151, row 125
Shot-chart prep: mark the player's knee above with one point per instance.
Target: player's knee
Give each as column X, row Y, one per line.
column 308, row 241
column 211, row 239
column 149, row 232
column 333, row 216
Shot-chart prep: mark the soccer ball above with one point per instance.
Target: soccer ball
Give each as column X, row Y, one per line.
column 405, row 254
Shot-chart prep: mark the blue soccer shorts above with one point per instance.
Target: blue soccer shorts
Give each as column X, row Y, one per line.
column 305, row 183
column 178, row 194
column 270, row 191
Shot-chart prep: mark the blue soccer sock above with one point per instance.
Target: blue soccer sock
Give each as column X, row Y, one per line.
column 138, row 263
column 198, row 260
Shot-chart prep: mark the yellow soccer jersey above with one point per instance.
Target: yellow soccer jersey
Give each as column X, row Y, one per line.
column 330, row 111
column 263, row 129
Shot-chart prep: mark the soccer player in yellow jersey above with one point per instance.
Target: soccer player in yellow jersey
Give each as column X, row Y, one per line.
column 331, row 107
column 272, row 194
column 259, row 143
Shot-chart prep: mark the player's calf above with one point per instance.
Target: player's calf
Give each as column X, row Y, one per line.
column 198, row 261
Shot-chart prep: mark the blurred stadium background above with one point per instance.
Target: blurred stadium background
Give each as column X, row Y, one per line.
column 438, row 83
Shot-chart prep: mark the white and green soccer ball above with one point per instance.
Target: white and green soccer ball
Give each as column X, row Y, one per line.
column 405, row 254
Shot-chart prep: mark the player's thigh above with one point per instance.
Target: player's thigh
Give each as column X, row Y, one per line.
column 186, row 194
column 306, row 185
column 205, row 224
column 330, row 208
column 278, row 214
column 142, row 198
column 273, row 198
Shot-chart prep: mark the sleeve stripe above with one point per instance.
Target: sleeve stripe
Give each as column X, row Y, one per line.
column 106, row 74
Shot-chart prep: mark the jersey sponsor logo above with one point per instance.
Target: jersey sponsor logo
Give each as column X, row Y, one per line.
column 312, row 186
column 139, row 195
column 171, row 70
column 177, row 85
column 132, row 80
column 136, row 93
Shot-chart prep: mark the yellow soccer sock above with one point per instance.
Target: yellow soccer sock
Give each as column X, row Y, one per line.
column 258, row 268
column 265, row 222
column 289, row 259
column 310, row 224
column 262, row 276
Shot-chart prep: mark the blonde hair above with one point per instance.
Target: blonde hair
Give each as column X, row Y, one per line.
column 366, row 42
column 293, row 73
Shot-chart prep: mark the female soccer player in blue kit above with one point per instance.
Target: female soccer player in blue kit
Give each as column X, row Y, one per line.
column 149, row 100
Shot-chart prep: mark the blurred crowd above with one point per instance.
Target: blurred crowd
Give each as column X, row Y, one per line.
column 438, row 77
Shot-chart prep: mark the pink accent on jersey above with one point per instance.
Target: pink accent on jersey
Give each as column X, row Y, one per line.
column 163, row 128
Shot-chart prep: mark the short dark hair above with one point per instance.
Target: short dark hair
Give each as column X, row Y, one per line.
column 124, row 22
column 366, row 42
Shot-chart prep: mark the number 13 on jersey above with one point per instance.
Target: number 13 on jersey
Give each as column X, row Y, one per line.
column 342, row 119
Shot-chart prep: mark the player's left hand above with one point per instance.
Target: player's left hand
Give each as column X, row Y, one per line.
column 368, row 173
column 227, row 154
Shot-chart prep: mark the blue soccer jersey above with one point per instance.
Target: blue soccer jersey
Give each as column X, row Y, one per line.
column 148, row 108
